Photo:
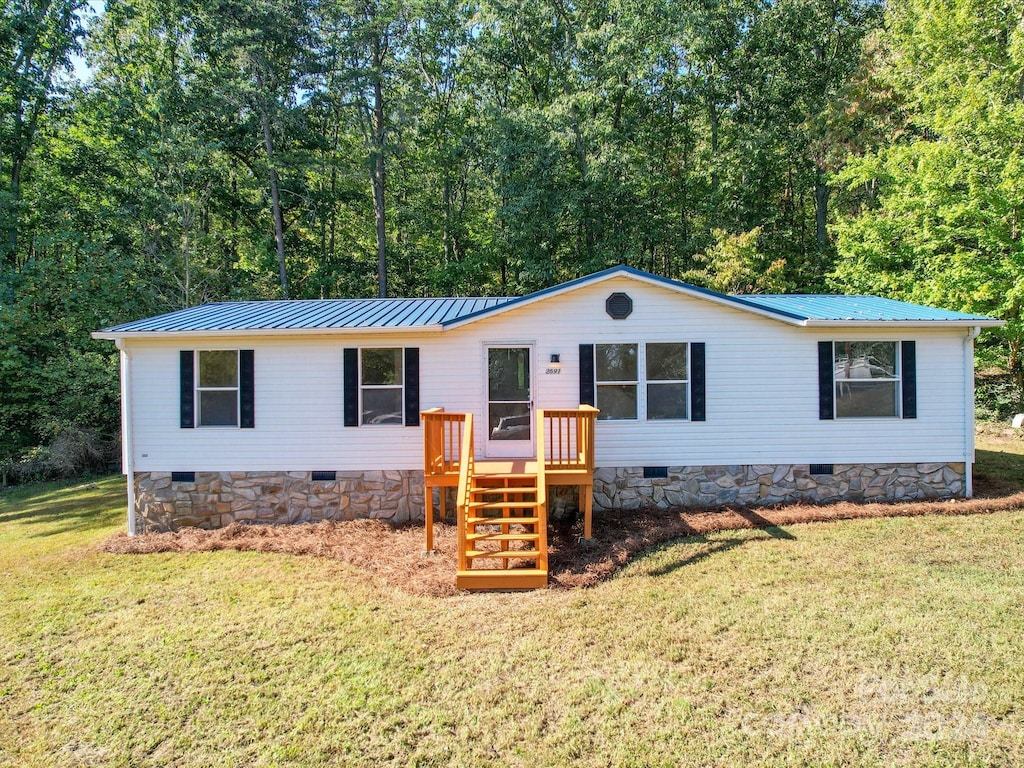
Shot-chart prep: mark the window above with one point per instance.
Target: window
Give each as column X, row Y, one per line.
column 217, row 388
column 380, row 386
column 616, row 370
column 866, row 377
column 666, row 381
column 622, row 394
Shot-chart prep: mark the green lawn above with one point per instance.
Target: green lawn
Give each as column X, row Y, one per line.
column 874, row 642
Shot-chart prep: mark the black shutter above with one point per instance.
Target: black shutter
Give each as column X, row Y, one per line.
column 188, row 389
column 697, row 381
column 247, row 389
column 412, row 386
column 350, row 378
column 587, row 374
column 909, row 357
column 826, row 381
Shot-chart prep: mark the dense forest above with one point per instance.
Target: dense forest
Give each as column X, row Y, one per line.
column 242, row 149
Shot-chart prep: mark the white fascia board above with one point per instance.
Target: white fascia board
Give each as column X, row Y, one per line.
column 976, row 323
column 268, row 332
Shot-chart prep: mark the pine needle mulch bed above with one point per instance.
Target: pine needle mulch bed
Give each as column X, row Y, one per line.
column 395, row 554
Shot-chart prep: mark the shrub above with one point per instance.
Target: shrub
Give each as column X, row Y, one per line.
column 996, row 396
column 73, row 452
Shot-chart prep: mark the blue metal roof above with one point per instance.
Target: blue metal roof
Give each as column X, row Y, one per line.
column 346, row 314
column 867, row 308
column 309, row 314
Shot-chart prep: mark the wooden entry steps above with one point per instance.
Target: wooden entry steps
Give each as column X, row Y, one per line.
column 502, row 504
column 503, row 526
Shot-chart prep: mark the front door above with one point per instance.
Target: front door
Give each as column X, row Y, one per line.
column 509, row 401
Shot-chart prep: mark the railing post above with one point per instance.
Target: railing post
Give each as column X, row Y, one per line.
column 542, row 496
column 429, row 419
column 465, row 477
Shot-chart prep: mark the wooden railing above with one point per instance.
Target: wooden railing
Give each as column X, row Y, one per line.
column 465, row 477
column 565, row 438
column 443, row 435
column 565, row 450
column 442, row 441
column 542, row 495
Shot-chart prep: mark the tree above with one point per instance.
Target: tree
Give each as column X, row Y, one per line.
column 934, row 213
column 37, row 38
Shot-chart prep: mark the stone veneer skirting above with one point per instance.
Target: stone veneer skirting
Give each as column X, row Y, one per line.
column 749, row 484
column 217, row 499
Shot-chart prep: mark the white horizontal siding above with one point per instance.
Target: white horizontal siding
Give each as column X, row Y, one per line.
column 762, row 392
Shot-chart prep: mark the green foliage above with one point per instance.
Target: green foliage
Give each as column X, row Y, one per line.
column 736, row 264
column 997, row 397
column 933, row 211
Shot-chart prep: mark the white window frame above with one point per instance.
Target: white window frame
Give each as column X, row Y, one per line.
column 642, row 381
column 598, row 383
column 686, row 381
column 897, row 380
column 399, row 386
column 237, row 389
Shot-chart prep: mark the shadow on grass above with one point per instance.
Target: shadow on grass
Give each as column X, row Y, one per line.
column 715, row 547
column 998, row 473
column 763, row 523
column 72, row 507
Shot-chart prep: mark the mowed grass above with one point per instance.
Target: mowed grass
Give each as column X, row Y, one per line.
column 860, row 643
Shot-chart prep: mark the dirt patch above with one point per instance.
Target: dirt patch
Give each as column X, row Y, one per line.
column 394, row 554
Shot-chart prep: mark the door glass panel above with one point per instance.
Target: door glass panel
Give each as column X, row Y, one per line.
column 508, row 393
column 508, row 378
column 509, row 421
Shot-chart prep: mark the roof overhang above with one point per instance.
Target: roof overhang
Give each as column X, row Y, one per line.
column 959, row 323
column 265, row 333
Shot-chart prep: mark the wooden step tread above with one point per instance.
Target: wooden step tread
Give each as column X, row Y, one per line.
column 504, row 475
column 506, row 504
column 531, row 553
column 514, row 578
column 501, row 520
column 501, row 490
column 502, row 536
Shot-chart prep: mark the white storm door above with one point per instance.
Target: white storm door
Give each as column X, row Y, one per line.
column 509, row 417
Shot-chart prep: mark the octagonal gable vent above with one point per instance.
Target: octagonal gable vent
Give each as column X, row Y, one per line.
column 618, row 306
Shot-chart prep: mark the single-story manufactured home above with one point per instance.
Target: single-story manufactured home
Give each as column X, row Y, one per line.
column 665, row 394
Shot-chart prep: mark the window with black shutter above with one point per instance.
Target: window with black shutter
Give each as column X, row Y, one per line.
column 867, row 379
column 381, row 386
column 657, row 381
column 217, row 388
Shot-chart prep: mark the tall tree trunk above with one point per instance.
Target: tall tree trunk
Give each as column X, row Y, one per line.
column 821, row 196
column 446, row 203
column 275, row 201
column 378, row 167
column 588, row 228
column 713, row 120
column 334, row 194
